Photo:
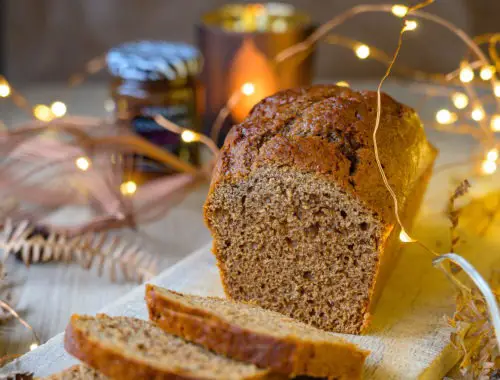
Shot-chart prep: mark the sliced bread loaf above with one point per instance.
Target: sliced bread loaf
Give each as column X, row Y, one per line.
column 77, row 372
column 301, row 219
column 254, row 335
column 130, row 348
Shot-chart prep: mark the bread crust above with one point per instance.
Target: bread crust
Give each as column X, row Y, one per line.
column 115, row 364
column 290, row 356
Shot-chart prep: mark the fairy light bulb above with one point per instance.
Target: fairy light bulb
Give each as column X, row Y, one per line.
column 4, row 89
column 492, row 155
column 188, row 136
column 477, row 114
column 43, row 113
column 248, row 88
column 460, row 100
column 466, row 74
column 410, row 25
column 58, row 109
column 487, row 72
column 404, row 237
column 33, row 346
column 495, row 123
column 488, row 167
column 82, row 163
column 399, row 10
column 343, row 83
column 496, row 89
column 128, row 188
column 445, row 117
column 362, row 51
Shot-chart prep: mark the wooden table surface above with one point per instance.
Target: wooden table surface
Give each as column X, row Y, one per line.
column 47, row 294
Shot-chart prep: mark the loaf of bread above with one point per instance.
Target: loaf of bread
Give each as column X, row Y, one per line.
column 130, row 349
column 77, row 372
column 301, row 220
column 254, row 335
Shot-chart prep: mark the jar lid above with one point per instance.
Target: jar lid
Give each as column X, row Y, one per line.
column 153, row 60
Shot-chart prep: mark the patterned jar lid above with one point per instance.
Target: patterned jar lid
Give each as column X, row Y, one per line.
column 153, row 60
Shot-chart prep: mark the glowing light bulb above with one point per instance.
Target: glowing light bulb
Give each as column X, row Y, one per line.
column 487, row 72
column 82, row 163
column 58, row 109
column 128, row 188
column 248, row 88
column 109, row 105
column 492, row 155
column 466, row 74
column 42, row 112
column 488, row 167
column 33, row 346
column 411, row 25
column 496, row 90
column 460, row 100
column 399, row 10
column 188, row 136
column 445, row 117
column 477, row 114
column 343, row 83
column 4, row 89
column 362, row 51
column 495, row 123
column 404, row 237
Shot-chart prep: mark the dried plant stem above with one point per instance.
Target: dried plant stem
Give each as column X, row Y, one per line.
column 14, row 313
column 482, row 285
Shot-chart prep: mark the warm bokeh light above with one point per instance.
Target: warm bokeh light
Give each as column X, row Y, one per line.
column 487, row 72
column 399, row 10
column 82, row 163
column 188, row 136
column 58, row 109
column 477, row 114
column 460, row 100
column 495, row 123
column 404, row 237
column 248, row 88
column 128, row 188
column 4, row 89
column 411, row 25
column 466, row 74
column 496, row 89
column 488, row 167
column 492, row 155
column 42, row 112
column 33, row 346
column 362, row 51
column 343, row 83
column 445, row 117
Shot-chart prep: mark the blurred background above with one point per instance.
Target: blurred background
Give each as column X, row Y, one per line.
column 48, row 40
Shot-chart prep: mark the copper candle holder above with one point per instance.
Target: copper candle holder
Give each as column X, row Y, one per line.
column 238, row 43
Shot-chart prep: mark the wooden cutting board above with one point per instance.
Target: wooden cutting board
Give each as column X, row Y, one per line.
column 409, row 338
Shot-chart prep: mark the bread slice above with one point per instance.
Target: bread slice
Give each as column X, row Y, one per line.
column 77, row 372
column 130, row 348
column 254, row 335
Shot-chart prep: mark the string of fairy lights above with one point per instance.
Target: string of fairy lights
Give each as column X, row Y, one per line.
column 467, row 105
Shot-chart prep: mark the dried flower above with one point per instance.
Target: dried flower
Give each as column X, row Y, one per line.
column 474, row 335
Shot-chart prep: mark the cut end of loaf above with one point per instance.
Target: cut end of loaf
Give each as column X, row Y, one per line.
column 297, row 244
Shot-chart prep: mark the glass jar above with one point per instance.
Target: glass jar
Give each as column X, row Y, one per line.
column 151, row 78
